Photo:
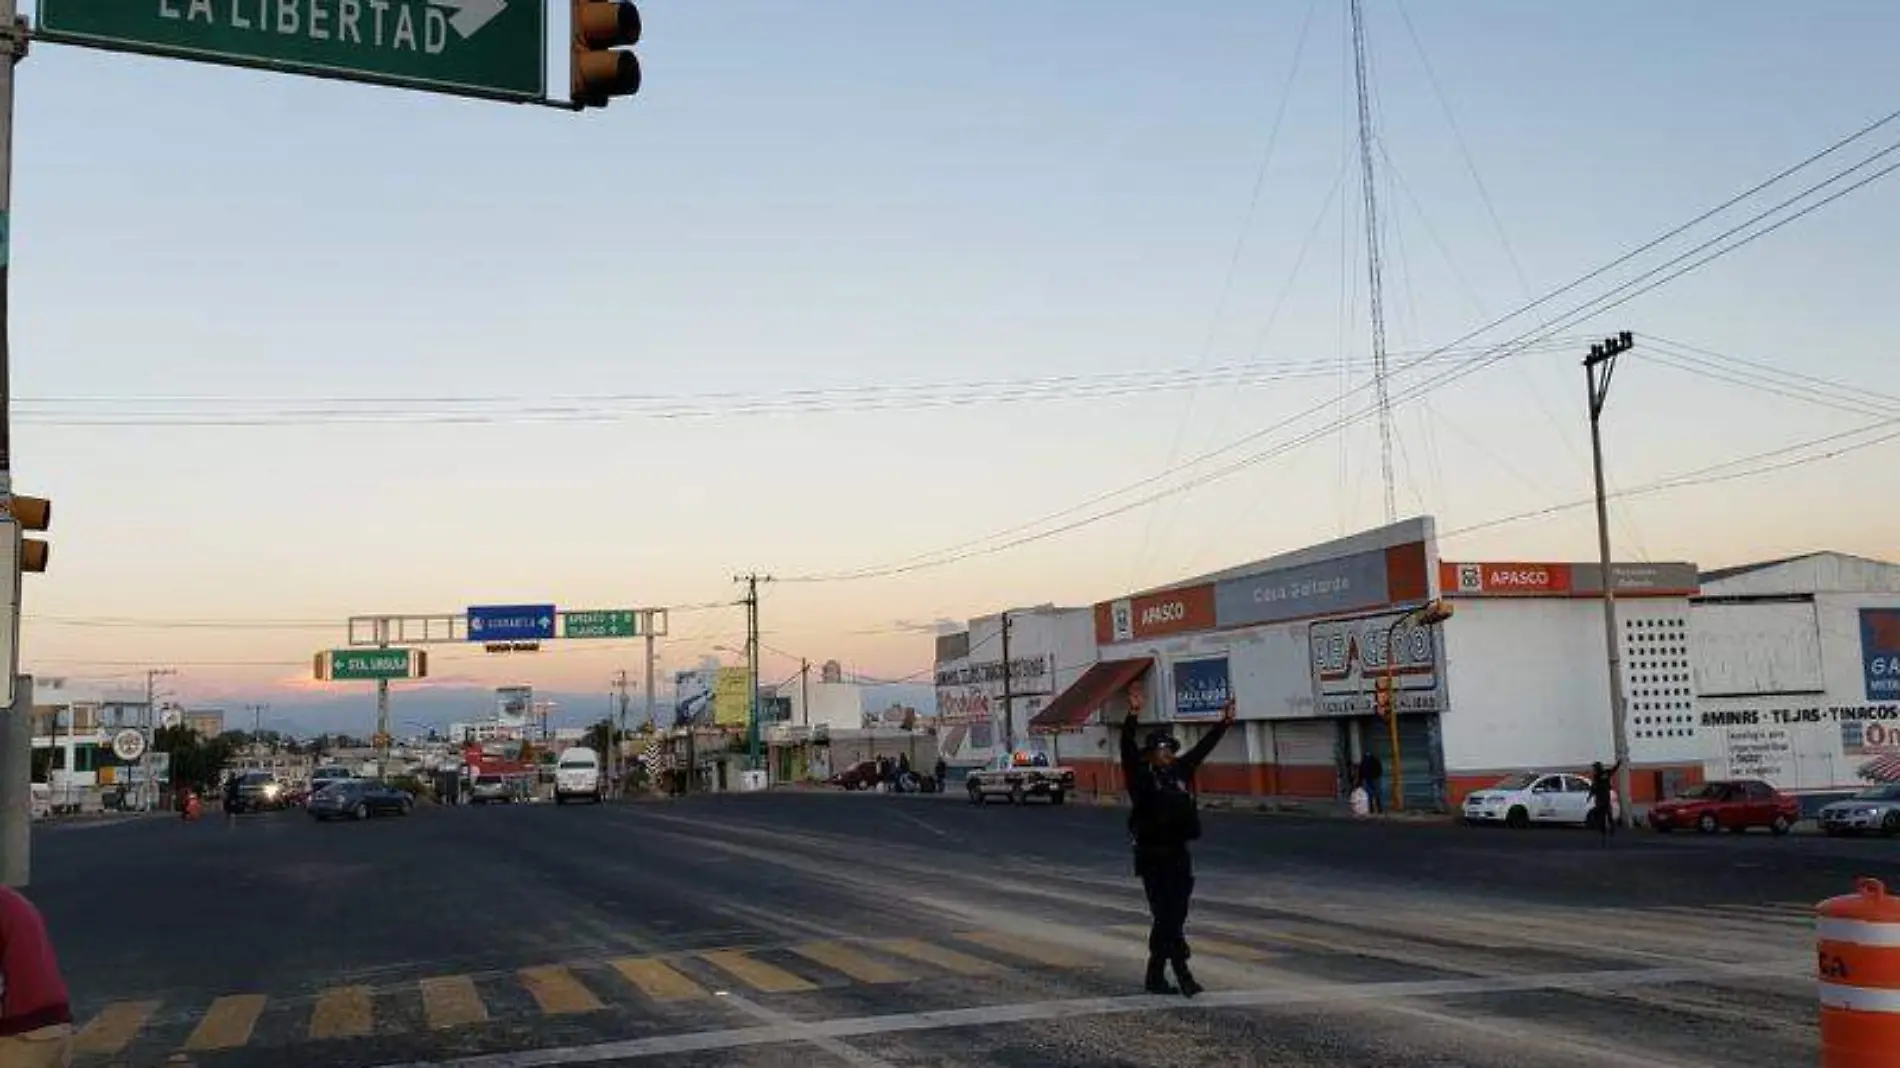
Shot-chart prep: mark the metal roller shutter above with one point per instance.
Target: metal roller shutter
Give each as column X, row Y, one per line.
column 1420, row 755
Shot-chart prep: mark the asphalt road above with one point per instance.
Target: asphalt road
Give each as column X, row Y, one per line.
column 827, row 929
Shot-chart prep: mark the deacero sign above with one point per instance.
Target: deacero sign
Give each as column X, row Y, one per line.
column 493, row 48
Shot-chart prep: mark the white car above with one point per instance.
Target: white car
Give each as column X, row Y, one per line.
column 1530, row 797
column 578, row 775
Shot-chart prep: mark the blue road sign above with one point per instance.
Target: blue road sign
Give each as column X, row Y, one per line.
column 510, row 622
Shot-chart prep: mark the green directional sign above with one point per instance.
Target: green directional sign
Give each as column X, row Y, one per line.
column 608, row 623
column 369, row 665
column 489, row 48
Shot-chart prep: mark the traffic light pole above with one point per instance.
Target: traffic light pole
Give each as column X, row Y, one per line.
column 16, row 802
column 15, row 46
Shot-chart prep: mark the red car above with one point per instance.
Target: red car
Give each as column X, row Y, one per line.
column 1730, row 805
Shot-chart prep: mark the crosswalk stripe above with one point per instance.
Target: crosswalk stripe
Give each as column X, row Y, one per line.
column 115, row 1025
column 228, row 1023
column 557, row 991
column 451, row 1001
column 947, row 959
column 656, row 979
column 755, row 973
column 843, row 958
column 345, row 1012
column 1028, row 948
column 1216, row 946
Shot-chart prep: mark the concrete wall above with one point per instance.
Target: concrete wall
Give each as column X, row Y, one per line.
column 835, row 705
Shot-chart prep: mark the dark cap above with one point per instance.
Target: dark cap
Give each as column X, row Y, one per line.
column 1162, row 738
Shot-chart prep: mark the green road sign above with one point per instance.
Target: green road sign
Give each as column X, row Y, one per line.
column 489, row 48
column 360, row 665
column 611, row 623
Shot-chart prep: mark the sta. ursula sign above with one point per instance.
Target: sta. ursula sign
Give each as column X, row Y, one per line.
column 371, row 665
column 486, row 48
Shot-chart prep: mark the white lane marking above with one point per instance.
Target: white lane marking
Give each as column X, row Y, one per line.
column 1034, row 1011
column 848, row 1054
column 938, row 831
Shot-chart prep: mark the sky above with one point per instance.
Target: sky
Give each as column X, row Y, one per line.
column 853, row 283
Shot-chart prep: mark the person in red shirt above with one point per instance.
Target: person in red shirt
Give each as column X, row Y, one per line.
column 36, row 1023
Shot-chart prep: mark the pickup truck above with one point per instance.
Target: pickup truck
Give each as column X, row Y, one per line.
column 1019, row 776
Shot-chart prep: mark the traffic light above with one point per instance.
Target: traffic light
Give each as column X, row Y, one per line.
column 1382, row 697
column 598, row 70
column 1433, row 614
column 33, row 513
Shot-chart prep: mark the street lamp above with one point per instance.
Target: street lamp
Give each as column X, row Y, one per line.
column 1429, row 614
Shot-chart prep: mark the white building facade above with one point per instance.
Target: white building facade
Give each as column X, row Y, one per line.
column 978, row 715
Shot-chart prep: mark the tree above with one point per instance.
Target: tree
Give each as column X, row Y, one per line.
column 197, row 762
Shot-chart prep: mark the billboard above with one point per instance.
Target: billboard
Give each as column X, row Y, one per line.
column 1329, row 587
column 1349, row 656
column 1517, row 579
column 1202, row 687
column 692, row 696
column 1880, row 652
column 514, row 703
column 732, row 697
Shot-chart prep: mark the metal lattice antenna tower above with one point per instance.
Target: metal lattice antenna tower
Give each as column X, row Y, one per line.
column 1375, row 268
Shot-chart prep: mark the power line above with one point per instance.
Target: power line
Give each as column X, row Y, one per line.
column 1622, row 294
column 1714, row 473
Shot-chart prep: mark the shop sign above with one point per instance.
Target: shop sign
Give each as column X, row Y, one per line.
column 1202, row 687
column 1765, row 753
column 1880, row 652
column 1350, row 655
column 1152, row 615
column 1567, row 580
column 1028, row 676
column 1870, row 738
column 1329, row 587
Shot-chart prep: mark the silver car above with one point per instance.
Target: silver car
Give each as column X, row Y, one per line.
column 1872, row 811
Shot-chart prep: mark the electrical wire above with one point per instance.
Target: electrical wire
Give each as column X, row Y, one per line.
column 1684, row 263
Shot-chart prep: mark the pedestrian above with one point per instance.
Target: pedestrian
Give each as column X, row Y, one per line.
column 36, row 1023
column 1163, row 818
column 942, row 772
column 231, row 797
column 1372, row 777
column 1601, row 815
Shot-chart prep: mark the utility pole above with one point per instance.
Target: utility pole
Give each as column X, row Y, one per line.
column 1375, row 268
column 1009, row 708
column 1598, row 368
column 804, row 693
column 613, row 759
column 382, row 707
column 751, row 582
column 148, row 795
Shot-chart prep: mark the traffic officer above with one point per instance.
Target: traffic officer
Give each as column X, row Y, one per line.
column 1162, row 820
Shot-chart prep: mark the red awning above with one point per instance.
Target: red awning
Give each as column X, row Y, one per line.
column 1075, row 705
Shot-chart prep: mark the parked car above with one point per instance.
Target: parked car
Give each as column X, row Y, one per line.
column 859, row 776
column 358, row 799
column 1872, row 811
column 1729, row 805
column 1527, row 798
column 497, row 789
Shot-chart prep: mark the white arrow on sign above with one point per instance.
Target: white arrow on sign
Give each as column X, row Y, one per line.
column 471, row 15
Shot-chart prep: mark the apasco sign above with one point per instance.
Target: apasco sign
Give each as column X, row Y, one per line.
column 489, row 48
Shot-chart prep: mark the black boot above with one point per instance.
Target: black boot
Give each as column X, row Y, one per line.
column 1157, row 981
column 1186, row 978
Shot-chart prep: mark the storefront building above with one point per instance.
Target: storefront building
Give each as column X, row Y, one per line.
column 1797, row 670
column 981, row 712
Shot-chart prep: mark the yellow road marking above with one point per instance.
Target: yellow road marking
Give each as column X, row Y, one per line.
column 114, row 1027
column 451, row 1001
column 656, row 979
column 227, row 1024
column 1215, row 946
column 844, row 959
column 557, row 991
column 1028, row 948
column 345, row 1012
column 948, row 959
column 757, row 974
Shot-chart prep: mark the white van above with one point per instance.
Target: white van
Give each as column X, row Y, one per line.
column 578, row 775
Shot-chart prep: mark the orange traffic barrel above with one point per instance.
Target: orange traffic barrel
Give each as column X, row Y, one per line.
column 1859, row 963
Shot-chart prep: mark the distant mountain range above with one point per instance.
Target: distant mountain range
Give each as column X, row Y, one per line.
column 416, row 711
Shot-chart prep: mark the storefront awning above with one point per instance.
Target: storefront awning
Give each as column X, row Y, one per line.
column 1089, row 693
